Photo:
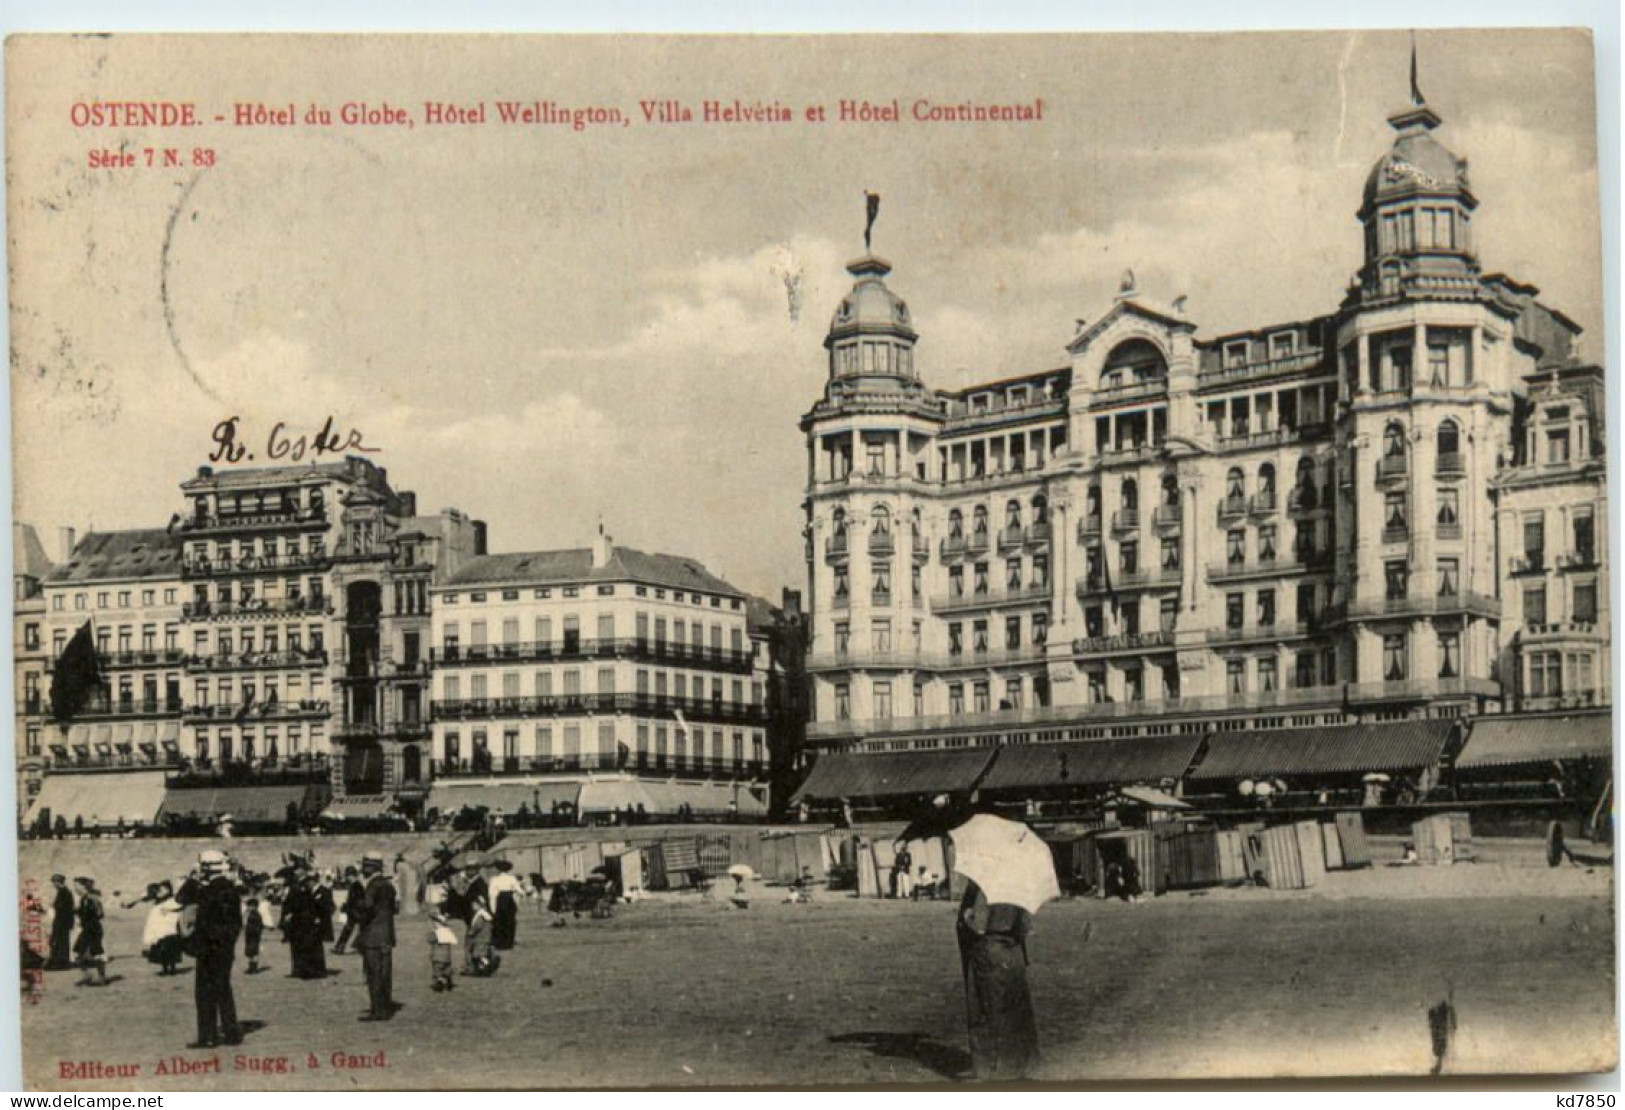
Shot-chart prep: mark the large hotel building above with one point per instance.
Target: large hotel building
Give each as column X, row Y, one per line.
column 1392, row 511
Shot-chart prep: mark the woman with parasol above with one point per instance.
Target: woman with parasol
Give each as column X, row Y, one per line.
column 1010, row 873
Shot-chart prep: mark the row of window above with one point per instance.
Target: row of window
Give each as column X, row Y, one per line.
column 658, row 741
column 542, row 629
column 680, row 684
column 1582, row 603
column 607, row 589
column 104, row 599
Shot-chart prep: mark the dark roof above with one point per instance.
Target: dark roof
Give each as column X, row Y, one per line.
column 1093, row 762
column 120, row 556
column 28, row 557
column 542, row 568
column 891, row 774
column 353, row 468
column 1334, row 749
column 1497, row 741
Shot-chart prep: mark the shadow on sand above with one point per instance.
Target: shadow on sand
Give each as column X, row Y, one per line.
column 919, row 1048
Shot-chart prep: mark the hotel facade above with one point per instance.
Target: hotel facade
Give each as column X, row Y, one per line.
column 1394, row 510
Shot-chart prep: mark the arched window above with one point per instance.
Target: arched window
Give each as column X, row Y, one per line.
column 1307, row 492
column 1091, row 501
column 1131, row 495
column 1012, row 514
column 956, row 524
column 915, row 521
column 1040, row 509
column 1449, row 438
column 880, row 520
column 979, row 520
column 1393, row 442
column 1131, row 362
column 1170, row 491
column 1266, row 480
column 1235, row 484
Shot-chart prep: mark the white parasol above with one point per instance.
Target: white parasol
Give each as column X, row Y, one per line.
column 1007, row 860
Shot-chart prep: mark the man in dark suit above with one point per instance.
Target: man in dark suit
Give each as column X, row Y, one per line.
column 375, row 936
column 61, row 925
column 214, row 943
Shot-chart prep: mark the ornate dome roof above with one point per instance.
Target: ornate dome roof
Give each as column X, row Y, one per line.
column 870, row 306
column 1416, row 162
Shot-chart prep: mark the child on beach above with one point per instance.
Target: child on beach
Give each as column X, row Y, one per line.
column 478, row 959
column 441, row 941
column 253, row 930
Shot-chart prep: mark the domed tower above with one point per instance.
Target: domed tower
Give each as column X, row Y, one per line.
column 870, row 460
column 1426, row 368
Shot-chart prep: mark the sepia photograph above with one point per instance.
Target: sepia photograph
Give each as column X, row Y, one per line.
column 719, row 561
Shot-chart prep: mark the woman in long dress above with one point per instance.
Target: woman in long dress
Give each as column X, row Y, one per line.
column 88, row 947
column 503, row 893
column 998, row 1007
column 302, row 930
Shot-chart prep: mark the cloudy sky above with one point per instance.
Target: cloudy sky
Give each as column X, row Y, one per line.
column 548, row 328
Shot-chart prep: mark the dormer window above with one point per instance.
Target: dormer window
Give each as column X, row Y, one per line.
column 1283, row 344
column 1235, row 354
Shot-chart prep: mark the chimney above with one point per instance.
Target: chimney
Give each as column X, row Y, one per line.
column 479, row 537
column 409, row 503
column 67, row 537
column 205, row 472
column 603, row 546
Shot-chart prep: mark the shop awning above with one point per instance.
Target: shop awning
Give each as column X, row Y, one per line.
column 891, row 774
column 705, row 798
column 124, row 736
column 169, row 734
column 604, row 795
column 146, row 737
column 1092, row 762
column 1333, row 750
column 449, row 797
column 103, row 797
column 252, row 804
column 1500, row 741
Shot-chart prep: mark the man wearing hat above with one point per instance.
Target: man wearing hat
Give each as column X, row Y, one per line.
column 62, row 910
column 214, row 943
column 375, row 936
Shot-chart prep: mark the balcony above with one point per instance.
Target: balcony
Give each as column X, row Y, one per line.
column 1123, row 642
column 1038, row 534
column 961, row 418
column 118, row 660
column 285, row 517
column 1443, row 531
column 259, row 711
column 1392, row 467
column 1232, row 508
column 701, row 709
column 1138, row 579
column 256, row 660
column 193, row 568
column 1298, row 363
column 1166, row 517
column 128, row 707
column 545, row 651
column 1306, row 499
column 1129, row 391
column 1262, row 503
column 835, row 548
column 953, row 547
column 256, row 607
column 976, row 543
column 1450, row 464
column 1532, row 562
column 1264, row 633
column 1565, row 630
column 991, row 657
column 1011, row 538
column 1126, row 520
column 1422, row 689
column 485, row 765
column 1089, row 526
column 1241, row 439
column 1472, row 604
column 1577, row 560
column 1037, row 592
column 882, row 543
column 1396, row 533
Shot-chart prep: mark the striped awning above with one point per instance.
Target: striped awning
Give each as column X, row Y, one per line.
column 1502, row 741
column 1332, row 750
column 134, row 796
column 1112, row 762
column 894, row 774
column 252, row 804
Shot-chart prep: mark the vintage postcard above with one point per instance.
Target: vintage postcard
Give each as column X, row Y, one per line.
column 639, row 561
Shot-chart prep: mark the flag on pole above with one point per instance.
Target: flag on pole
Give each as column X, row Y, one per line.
column 77, row 677
column 873, row 202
